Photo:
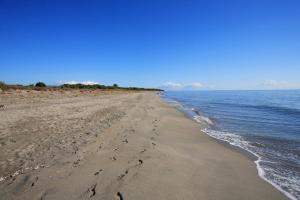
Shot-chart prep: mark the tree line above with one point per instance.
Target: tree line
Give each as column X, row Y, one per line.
column 42, row 85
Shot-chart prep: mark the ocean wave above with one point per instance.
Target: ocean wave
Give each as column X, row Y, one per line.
column 199, row 118
column 281, row 182
column 173, row 103
column 191, row 112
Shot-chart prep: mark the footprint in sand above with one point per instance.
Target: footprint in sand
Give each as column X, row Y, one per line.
column 123, row 175
column 155, row 131
column 99, row 148
column 113, row 158
column 76, row 163
column 24, row 182
column 143, row 150
column 140, row 162
column 92, row 190
column 119, row 196
column 34, row 181
column 97, row 173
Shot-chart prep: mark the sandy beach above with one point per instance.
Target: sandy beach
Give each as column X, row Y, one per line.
column 121, row 145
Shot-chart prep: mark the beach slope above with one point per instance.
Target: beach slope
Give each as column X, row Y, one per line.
column 116, row 146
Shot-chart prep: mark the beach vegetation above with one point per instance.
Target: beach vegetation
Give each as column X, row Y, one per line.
column 104, row 87
column 43, row 86
column 40, row 84
column 2, row 85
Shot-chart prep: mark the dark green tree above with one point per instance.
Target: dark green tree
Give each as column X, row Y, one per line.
column 40, row 84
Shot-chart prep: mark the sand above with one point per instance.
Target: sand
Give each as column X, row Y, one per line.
column 78, row 145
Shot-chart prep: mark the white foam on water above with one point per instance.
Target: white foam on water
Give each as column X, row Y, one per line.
column 200, row 119
column 174, row 103
column 196, row 117
column 239, row 141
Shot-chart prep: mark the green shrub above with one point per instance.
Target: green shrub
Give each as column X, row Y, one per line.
column 40, row 84
column 2, row 85
column 81, row 86
column 97, row 86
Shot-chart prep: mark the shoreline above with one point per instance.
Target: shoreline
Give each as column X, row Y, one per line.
column 119, row 146
column 255, row 159
column 247, row 153
column 204, row 123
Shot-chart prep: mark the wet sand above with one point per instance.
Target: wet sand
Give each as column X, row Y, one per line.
column 78, row 145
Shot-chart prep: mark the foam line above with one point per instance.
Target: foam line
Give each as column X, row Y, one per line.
column 236, row 141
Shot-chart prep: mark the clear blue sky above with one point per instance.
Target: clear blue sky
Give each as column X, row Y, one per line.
column 224, row 44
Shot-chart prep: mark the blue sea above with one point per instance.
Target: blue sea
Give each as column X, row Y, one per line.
column 264, row 123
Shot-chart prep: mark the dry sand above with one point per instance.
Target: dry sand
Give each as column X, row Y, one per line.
column 117, row 146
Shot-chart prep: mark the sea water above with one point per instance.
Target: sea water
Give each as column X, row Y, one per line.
column 264, row 123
